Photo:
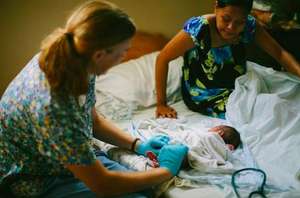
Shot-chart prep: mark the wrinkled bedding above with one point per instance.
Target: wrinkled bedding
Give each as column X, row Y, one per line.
column 264, row 108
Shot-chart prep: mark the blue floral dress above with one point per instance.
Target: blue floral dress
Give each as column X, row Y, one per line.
column 40, row 132
column 209, row 73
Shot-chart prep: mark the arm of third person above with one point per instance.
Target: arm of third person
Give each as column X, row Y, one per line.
column 175, row 48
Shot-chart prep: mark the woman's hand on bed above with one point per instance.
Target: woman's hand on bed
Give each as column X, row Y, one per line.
column 154, row 145
column 165, row 111
column 171, row 157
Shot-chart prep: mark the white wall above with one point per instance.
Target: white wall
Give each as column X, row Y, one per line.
column 24, row 23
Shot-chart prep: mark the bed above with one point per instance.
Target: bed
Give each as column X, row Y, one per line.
column 264, row 108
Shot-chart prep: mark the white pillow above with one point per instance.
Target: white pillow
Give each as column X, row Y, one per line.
column 133, row 83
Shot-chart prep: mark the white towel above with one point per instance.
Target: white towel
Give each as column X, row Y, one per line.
column 208, row 152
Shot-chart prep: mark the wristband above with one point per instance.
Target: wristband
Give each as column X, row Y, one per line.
column 133, row 144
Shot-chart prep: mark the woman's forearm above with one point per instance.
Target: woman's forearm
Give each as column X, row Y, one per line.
column 289, row 63
column 161, row 74
column 175, row 48
column 106, row 183
column 273, row 48
column 106, row 131
column 128, row 182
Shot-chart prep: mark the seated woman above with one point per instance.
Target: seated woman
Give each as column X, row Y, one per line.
column 214, row 56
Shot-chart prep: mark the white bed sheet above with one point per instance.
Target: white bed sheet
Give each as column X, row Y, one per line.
column 265, row 108
column 197, row 120
column 271, row 123
column 193, row 119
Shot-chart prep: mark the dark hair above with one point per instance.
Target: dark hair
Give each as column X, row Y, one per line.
column 66, row 52
column 245, row 4
column 232, row 136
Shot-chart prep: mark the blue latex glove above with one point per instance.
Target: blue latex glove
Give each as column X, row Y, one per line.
column 171, row 157
column 154, row 144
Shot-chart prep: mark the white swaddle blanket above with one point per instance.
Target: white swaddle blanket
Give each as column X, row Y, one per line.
column 207, row 150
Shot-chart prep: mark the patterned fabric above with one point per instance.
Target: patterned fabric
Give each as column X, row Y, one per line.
column 209, row 73
column 40, row 131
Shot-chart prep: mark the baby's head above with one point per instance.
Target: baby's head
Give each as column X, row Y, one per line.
column 230, row 136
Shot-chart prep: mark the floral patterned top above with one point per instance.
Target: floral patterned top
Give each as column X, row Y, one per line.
column 40, row 132
column 209, row 73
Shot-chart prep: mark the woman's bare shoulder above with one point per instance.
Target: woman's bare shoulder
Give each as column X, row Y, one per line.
column 210, row 17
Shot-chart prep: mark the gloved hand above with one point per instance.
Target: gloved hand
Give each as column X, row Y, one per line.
column 154, row 144
column 171, row 156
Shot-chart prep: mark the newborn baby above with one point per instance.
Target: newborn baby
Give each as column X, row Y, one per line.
column 211, row 149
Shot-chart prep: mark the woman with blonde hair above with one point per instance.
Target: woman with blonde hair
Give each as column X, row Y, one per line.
column 48, row 119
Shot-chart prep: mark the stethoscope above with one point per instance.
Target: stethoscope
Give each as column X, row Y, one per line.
column 259, row 191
